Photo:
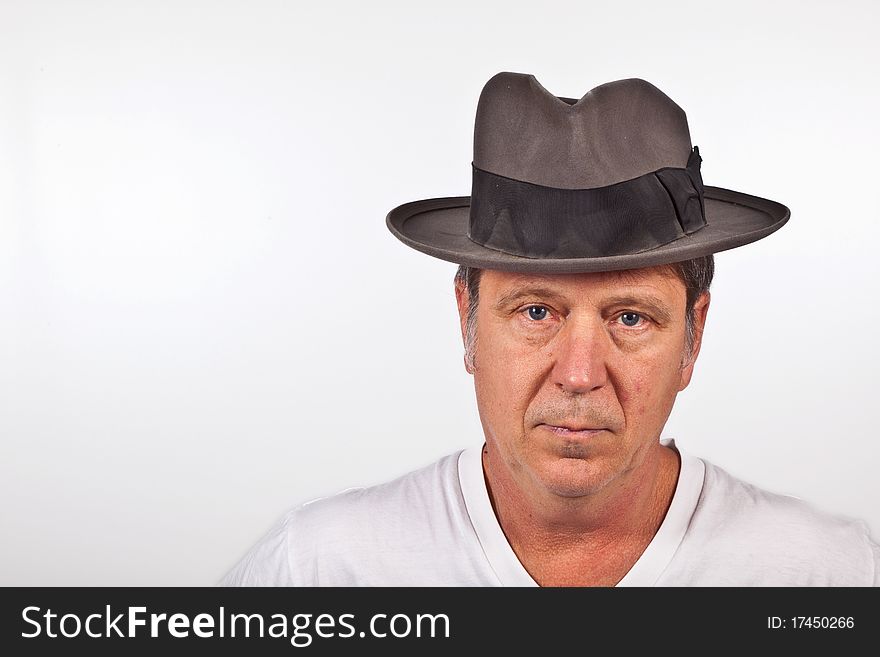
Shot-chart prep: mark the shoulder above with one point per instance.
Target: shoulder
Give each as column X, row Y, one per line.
column 325, row 539
column 390, row 511
column 753, row 536
column 416, row 488
column 741, row 504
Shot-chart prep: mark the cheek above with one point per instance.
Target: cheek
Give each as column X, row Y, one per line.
column 632, row 392
column 638, row 387
column 504, row 385
column 506, row 376
column 648, row 390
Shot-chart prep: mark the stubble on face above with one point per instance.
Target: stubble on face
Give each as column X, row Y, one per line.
column 580, row 371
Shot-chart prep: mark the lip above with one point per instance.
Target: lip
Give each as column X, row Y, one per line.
column 572, row 431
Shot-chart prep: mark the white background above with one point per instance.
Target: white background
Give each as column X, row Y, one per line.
column 205, row 320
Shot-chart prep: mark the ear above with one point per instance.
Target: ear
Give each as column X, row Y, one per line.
column 701, row 309
column 462, row 300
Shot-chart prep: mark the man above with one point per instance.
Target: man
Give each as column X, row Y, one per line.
column 585, row 253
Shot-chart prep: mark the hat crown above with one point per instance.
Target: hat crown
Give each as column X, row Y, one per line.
column 617, row 131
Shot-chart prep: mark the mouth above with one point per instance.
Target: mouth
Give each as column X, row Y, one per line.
column 573, row 431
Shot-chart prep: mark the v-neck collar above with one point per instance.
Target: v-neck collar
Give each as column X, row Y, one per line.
column 645, row 572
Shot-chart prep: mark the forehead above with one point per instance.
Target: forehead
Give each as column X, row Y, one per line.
column 659, row 281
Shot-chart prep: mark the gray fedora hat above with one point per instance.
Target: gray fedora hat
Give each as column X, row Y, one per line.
column 603, row 183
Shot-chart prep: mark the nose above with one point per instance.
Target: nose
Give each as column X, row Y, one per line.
column 580, row 359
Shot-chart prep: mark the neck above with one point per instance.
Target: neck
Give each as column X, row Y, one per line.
column 603, row 532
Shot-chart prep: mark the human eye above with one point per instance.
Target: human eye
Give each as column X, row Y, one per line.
column 535, row 312
column 632, row 319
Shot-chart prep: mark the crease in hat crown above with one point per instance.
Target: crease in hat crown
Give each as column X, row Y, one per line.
column 606, row 182
column 615, row 132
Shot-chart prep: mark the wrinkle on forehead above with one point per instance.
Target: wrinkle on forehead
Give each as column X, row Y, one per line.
column 623, row 275
column 508, row 284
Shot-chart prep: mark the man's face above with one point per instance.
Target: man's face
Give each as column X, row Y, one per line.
column 576, row 374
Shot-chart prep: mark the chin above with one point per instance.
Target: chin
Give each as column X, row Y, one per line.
column 574, row 477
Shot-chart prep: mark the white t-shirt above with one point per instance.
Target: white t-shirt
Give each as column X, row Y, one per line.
column 436, row 527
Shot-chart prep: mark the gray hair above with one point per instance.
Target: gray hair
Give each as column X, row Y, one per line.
column 696, row 275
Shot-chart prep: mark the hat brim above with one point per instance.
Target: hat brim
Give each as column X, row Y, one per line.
column 439, row 227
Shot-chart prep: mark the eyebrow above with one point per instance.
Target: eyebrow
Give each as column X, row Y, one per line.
column 657, row 306
column 522, row 292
